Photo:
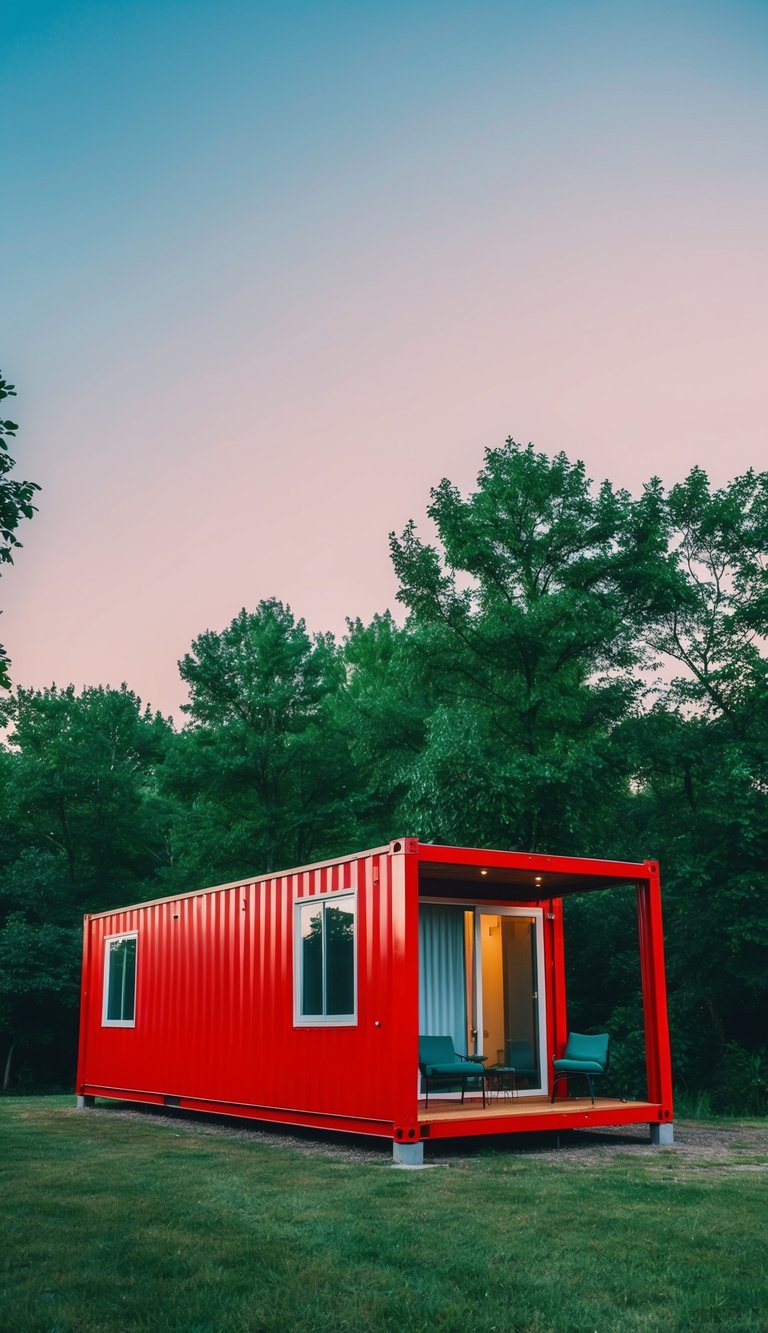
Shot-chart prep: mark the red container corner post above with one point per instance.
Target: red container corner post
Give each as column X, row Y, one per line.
column 301, row 998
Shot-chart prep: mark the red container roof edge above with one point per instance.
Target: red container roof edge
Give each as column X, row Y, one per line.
column 434, row 853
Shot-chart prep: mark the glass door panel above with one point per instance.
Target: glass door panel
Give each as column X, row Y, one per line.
column 508, row 948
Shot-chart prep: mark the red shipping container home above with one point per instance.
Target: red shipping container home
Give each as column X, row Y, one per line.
column 299, row 998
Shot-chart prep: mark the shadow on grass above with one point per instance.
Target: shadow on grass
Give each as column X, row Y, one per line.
column 378, row 1149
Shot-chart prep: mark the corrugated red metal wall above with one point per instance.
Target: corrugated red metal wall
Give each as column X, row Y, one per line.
column 215, row 1003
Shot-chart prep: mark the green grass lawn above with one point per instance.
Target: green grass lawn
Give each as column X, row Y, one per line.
column 112, row 1224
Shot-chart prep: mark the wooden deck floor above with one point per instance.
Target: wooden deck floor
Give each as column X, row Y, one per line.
column 519, row 1107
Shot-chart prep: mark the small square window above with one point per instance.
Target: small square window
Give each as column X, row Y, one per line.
column 324, row 960
column 120, row 981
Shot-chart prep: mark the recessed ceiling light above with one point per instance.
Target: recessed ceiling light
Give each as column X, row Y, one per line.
column 483, row 872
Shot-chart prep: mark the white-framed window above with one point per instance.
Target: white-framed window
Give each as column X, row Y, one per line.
column 325, row 960
column 119, row 1009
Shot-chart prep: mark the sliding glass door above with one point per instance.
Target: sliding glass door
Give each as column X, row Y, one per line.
column 481, row 983
column 510, row 999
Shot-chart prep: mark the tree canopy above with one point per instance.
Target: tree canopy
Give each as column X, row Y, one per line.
column 262, row 772
column 534, row 597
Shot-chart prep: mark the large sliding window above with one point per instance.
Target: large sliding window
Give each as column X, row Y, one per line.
column 119, row 1010
column 324, row 960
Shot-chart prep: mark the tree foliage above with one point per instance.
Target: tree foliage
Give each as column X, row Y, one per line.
column 81, row 797
column 39, row 990
column 384, row 710
column 532, row 595
column 262, row 775
column 15, row 505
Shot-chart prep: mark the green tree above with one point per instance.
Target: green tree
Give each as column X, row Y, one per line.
column 717, row 633
column 385, row 710
column 82, row 828
column 15, row 504
column 529, row 605
column 702, row 807
column 698, row 753
column 39, row 992
column 262, row 774
column 702, row 767
column 81, row 824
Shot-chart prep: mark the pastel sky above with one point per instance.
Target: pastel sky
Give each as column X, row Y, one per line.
column 271, row 270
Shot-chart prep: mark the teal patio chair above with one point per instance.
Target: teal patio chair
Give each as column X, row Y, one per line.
column 440, row 1064
column 584, row 1057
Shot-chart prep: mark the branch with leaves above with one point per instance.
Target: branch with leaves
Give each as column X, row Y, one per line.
column 15, row 505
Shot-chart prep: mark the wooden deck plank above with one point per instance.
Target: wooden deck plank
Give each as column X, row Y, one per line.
column 525, row 1106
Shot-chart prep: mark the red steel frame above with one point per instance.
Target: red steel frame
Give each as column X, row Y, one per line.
column 215, row 997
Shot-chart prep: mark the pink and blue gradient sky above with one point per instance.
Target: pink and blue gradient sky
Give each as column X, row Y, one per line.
column 270, row 271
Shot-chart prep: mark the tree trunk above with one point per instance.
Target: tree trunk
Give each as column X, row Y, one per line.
column 7, row 1074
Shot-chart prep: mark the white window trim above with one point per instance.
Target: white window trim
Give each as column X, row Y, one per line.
column 118, row 1022
column 301, row 1020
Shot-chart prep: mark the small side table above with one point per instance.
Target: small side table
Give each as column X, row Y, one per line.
column 500, row 1080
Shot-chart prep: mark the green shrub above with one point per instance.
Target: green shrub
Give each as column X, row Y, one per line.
column 741, row 1081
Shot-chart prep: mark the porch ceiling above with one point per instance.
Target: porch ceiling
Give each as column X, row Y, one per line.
column 504, row 882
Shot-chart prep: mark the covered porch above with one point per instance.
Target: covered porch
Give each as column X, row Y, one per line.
column 491, row 974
